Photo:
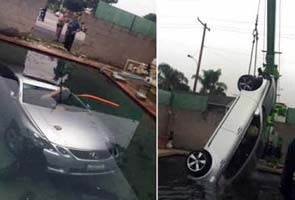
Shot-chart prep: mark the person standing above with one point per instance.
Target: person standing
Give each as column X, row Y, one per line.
column 73, row 28
column 62, row 19
column 43, row 14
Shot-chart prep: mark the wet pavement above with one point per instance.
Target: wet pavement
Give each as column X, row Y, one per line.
column 174, row 184
column 133, row 128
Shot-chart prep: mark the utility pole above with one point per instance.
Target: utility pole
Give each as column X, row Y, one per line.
column 205, row 28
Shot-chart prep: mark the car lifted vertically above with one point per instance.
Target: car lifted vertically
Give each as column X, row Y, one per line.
column 236, row 139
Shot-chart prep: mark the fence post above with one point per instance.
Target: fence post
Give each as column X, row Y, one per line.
column 132, row 24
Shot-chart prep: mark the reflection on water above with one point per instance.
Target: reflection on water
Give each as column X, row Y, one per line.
column 174, row 184
column 134, row 130
column 39, row 65
column 189, row 190
column 28, row 181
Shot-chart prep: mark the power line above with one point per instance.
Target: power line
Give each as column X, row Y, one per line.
column 220, row 28
column 227, row 20
column 214, row 19
column 232, row 51
column 237, row 31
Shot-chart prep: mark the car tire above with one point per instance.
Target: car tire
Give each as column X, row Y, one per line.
column 14, row 141
column 249, row 83
column 198, row 163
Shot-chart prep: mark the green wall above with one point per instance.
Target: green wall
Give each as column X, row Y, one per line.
column 126, row 20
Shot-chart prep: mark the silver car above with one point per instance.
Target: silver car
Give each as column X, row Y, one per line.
column 43, row 116
column 237, row 138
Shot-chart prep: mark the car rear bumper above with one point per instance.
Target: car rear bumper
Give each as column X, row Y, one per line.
column 59, row 164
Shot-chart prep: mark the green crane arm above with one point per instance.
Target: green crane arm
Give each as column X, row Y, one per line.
column 270, row 66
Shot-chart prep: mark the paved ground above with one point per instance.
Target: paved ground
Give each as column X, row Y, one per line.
column 46, row 30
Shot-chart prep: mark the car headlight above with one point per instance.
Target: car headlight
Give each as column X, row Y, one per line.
column 63, row 151
column 43, row 143
column 113, row 149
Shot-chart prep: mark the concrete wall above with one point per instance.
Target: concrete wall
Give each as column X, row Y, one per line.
column 113, row 45
column 192, row 129
column 18, row 17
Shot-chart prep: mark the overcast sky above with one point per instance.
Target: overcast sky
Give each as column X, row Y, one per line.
column 138, row 7
column 228, row 44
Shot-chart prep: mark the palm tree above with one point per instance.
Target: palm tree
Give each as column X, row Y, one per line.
column 210, row 84
column 171, row 79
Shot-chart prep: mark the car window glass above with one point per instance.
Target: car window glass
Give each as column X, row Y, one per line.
column 50, row 98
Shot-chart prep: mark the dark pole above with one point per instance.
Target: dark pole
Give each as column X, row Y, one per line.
column 201, row 53
column 270, row 66
column 271, row 30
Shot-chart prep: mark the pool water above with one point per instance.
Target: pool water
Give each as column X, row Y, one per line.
column 136, row 131
column 175, row 184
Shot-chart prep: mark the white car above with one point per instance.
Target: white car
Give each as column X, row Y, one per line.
column 237, row 137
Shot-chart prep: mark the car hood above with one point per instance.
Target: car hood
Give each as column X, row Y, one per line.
column 73, row 128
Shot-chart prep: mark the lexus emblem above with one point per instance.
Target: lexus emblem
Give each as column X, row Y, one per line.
column 93, row 155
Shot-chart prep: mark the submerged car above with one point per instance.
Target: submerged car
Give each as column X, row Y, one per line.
column 237, row 139
column 51, row 119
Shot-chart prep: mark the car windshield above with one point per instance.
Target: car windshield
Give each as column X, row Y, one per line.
column 50, row 98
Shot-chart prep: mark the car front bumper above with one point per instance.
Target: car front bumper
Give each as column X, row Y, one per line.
column 59, row 164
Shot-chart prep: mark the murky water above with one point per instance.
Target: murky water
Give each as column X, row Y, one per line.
column 174, row 184
column 135, row 134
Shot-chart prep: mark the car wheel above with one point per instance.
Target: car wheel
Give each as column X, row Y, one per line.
column 14, row 141
column 249, row 82
column 198, row 163
column 246, row 82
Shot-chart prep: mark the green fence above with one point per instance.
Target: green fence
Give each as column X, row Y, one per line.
column 183, row 100
column 291, row 116
column 144, row 27
column 164, row 97
column 190, row 101
column 126, row 20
